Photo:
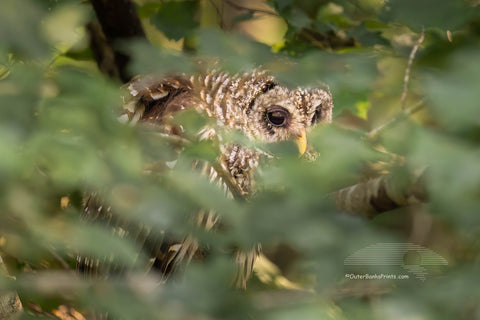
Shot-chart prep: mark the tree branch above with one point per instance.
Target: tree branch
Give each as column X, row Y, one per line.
column 119, row 21
column 406, row 78
column 381, row 194
column 219, row 13
column 10, row 305
column 402, row 115
column 240, row 7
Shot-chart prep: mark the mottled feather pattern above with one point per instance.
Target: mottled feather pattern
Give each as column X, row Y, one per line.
column 253, row 103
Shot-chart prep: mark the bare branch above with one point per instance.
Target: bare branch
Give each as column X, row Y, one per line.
column 406, row 78
column 379, row 195
column 10, row 305
column 219, row 13
column 240, row 7
column 60, row 260
column 401, row 116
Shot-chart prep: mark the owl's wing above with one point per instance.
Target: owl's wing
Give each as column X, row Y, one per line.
column 153, row 102
column 96, row 211
column 165, row 253
column 150, row 101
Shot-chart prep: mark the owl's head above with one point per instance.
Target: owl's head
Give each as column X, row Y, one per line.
column 279, row 113
column 253, row 103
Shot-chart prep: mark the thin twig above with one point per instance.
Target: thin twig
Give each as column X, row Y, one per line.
column 406, row 78
column 57, row 257
column 236, row 191
column 5, row 73
column 219, row 13
column 314, row 41
column 172, row 138
column 240, row 7
column 402, row 115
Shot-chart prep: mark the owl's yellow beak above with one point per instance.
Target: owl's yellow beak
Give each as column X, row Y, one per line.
column 302, row 141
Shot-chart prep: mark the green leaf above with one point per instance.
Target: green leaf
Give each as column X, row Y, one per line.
column 61, row 27
column 281, row 4
column 453, row 176
column 454, row 98
column 176, row 18
column 20, row 28
column 445, row 14
column 149, row 59
column 349, row 76
column 236, row 51
column 299, row 19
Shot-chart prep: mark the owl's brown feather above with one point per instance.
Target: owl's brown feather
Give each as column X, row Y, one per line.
column 253, row 103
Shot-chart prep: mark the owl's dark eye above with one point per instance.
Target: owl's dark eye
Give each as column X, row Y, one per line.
column 278, row 116
column 317, row 115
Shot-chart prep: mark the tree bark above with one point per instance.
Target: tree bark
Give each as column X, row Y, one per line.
column 381, row 194
column 10, row 305
column 119, row 21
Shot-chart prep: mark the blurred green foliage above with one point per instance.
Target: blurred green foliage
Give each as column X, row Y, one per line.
column 59, row 137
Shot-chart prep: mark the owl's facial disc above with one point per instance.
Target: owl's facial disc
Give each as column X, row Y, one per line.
column 280, row 117
column 276, row 116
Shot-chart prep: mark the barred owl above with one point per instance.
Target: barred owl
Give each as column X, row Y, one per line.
column 253, row 103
